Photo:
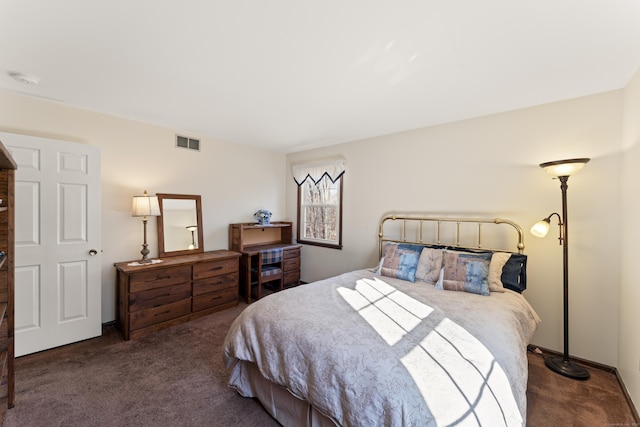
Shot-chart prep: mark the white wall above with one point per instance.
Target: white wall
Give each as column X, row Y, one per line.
column 489, row 166
column 629, row 336
column 233, row 180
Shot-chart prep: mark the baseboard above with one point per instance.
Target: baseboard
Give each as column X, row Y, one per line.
column 595, row 365
column 589, row 363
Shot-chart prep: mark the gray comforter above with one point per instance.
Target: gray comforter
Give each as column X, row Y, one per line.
column 367, row 350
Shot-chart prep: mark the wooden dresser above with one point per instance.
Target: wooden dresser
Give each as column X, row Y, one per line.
column 178, row 289
column 7, row 213
column 250, row 238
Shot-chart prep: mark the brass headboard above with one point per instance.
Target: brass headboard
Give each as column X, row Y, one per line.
column 412, row 230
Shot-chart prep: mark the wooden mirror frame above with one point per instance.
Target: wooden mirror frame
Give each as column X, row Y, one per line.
column 161, row 242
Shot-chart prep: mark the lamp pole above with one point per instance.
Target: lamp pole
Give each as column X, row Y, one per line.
column 565, row 265
column 564, row 366
column 145, row 247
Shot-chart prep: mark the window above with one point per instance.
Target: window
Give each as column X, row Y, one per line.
column 320, row 201
column 320, row 212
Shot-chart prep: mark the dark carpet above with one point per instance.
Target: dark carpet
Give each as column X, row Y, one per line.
column 554, row 400
column 176, row 377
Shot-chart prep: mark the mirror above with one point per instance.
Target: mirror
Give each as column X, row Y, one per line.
column 179, row 224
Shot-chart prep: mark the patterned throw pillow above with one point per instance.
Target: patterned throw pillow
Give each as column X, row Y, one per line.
column 467, row 272
column 401, row 261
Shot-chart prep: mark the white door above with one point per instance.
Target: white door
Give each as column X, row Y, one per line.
column 57, row 238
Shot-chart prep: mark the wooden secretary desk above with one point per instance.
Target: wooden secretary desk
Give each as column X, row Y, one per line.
column 251, row 238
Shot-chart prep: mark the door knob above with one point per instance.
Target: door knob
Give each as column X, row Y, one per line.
column 93, row 252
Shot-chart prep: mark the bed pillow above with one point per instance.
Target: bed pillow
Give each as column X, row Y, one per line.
column 378, row 267
column 498, row 260
column 514, row 270
column 508, row 271
column 440, row 277
column 466, row 271
column 429, row 265
column 514, row 273
column 401, row 261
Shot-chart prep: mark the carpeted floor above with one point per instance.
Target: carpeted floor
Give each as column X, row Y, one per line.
column 176, row 377
column 554, row 400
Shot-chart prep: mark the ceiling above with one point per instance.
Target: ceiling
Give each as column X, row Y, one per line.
column 294, row 74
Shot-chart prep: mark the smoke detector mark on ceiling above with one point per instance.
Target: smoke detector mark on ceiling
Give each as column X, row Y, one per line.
column 186, row 142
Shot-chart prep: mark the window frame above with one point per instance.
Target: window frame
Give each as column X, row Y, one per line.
column 300, row 221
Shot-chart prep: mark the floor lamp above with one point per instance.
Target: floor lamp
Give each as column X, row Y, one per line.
column 145, row 206
column 562, row 169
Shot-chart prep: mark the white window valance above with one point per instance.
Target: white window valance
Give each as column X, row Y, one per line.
column 333, row 169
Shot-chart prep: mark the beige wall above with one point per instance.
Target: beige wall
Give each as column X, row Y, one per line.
column 233, row 180
column 489, row 166
column 629, row 337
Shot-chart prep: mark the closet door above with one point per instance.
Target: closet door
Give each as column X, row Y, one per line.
column 57, row 239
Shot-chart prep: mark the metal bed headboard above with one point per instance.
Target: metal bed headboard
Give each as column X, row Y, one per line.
column 416, row 223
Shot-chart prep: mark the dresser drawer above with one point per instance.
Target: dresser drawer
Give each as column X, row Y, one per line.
column 214, row 299
column 202, row 270
column 291, row 253
column 214, row 284
column 146, row 280
column 151, row 316
column 292, row 277
column 291, row 264
column 159, row 296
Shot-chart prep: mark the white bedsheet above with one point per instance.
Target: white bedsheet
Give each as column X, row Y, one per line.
column 367, row 350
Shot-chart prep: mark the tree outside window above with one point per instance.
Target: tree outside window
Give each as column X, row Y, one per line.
column 320, row 212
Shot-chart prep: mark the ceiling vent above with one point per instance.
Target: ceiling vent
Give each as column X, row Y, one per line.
column 186, row 142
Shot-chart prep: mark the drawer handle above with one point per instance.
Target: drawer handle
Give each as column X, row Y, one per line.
column 219, row 267
column 163, row 313
column 164, row 277
column 215, row 298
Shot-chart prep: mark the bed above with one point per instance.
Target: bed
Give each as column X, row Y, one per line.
column 435, row 334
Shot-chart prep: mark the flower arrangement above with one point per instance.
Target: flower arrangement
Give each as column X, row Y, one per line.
column 263, row 216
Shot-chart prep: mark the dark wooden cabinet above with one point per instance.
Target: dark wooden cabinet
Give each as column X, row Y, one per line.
column 291, row 255
column 7, row 214
column 250, row 238
column 178, row 289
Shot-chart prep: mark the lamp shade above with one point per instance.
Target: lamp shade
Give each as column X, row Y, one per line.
column 540, row 228
column 564, row 167
column 145, row 205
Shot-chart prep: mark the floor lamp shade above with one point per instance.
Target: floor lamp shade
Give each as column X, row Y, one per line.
column 563, row 169
column 541, row 228
column 144, row 206
column 567, row 168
